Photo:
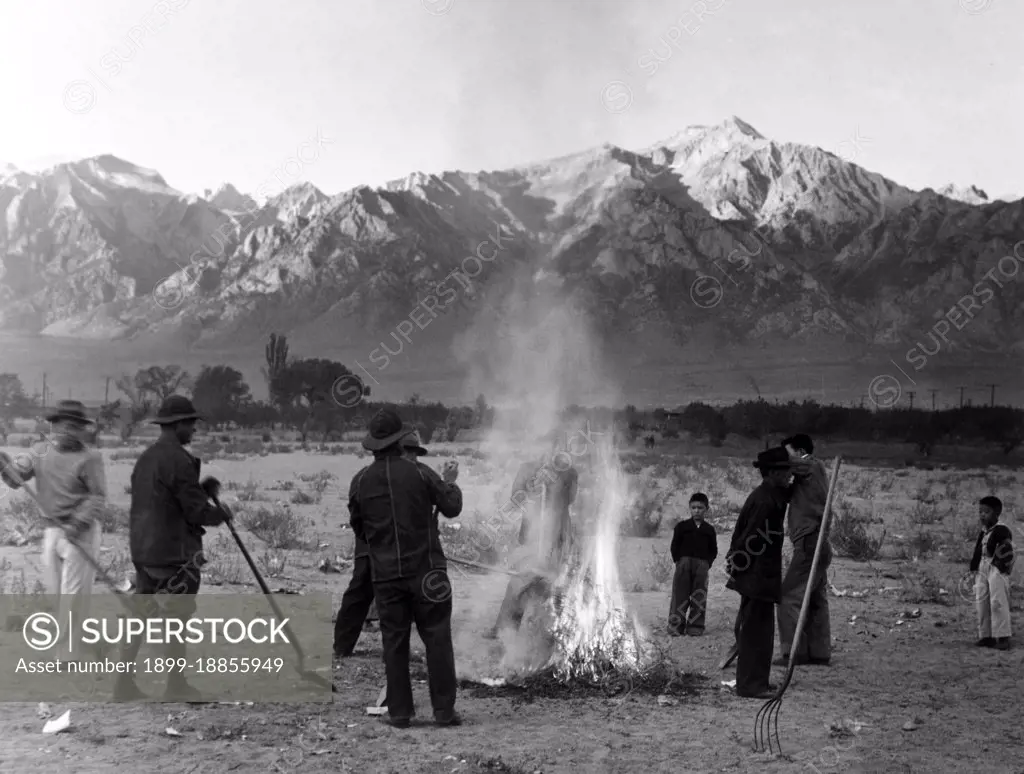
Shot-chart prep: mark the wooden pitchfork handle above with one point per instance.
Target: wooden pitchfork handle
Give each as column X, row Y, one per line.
column 805, row 607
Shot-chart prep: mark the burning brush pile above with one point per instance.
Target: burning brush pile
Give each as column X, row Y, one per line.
column 582, row 633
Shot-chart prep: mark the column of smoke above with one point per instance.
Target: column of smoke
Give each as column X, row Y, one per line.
column 531, row 353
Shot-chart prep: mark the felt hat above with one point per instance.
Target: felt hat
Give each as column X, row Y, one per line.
column 175, row 408
column 71, row 411
column 386, row 429
column 412, row 442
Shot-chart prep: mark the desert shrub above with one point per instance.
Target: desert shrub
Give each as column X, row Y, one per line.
column 318, row 482
column 114, row 518
column 302, row 497
column 225, row 566
column 282, row 486
column 15, row 583
column 249, row 493
column 920, row 544
column 924, row 587
column 266, row 438
column 646, row 512
column 849, row 534
column 272, row 563
column 20, row 524
column 660, row 567
column 118, row 565
column 926, row 513
column 276, row 525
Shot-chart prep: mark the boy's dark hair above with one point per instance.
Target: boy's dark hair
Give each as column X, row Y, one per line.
column 992, row 502
column 699, row 497
column 800, row 442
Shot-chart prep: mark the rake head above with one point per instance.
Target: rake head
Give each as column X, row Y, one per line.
column 766, row 726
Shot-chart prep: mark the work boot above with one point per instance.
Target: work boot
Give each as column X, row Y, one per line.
column 451, row 718
column 125, row 689
column 1003, row 643
column 985, row 642
column 397, row 722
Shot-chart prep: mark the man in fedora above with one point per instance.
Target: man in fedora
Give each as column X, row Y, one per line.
column 169, row 512
column 393, row 504
column 543, row 490
column 72, row 490
column 754, row 564
column 357, row 601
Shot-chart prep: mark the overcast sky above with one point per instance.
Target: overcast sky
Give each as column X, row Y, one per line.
column 925, row 93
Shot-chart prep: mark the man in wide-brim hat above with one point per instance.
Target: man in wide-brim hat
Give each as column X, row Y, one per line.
column 169, row 513
column 357, row 602
column 754, row 564
column 72, row 489
column 393, row 504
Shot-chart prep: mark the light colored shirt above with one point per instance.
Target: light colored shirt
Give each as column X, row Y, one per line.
column 71, row 483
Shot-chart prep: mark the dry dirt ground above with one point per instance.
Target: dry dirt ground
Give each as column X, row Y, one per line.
column 907, row 691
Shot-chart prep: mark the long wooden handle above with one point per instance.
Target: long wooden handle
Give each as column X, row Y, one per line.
column 266, row 589
column 805, row 606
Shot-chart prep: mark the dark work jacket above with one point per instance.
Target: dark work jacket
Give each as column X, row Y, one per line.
column 392, row 506
column 755, row 552
column 169, row 509
column 999, row 547
column 697, row 541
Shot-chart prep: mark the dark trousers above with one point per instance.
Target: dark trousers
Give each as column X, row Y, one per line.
column 755, row 635
column 355, row 605
column 426, row 601
column 180, row 585
column 816, row 641
column 689, row 596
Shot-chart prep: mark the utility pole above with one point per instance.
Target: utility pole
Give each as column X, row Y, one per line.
column 44, row 391
column 992, row 399
column 106, row 392
column 961, row 397
column 933, row 398
column 911, row 394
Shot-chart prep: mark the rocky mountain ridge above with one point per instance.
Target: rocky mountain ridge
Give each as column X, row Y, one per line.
column 716, row 236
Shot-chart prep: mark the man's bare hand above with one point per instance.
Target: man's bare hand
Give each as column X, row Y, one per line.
column 450, row 471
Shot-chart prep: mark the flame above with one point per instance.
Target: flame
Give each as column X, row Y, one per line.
column 594, row 633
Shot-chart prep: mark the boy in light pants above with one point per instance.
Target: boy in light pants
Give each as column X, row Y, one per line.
column 71, row 487
column 992, row 563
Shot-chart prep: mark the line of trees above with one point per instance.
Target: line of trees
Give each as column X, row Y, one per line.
column 304, row 396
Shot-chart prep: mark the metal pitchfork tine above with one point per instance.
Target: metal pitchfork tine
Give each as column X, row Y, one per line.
column 766, row 724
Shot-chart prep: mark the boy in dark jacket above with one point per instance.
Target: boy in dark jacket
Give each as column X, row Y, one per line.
column 694, row 549
column 992, row 563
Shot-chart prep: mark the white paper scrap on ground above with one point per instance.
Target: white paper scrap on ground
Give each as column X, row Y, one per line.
column 57, row 725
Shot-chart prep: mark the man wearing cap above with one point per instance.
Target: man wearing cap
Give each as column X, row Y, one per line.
column 357, row 601
column 754, row 564
column 169, row 512
column 393, row 504
column 72, row 491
